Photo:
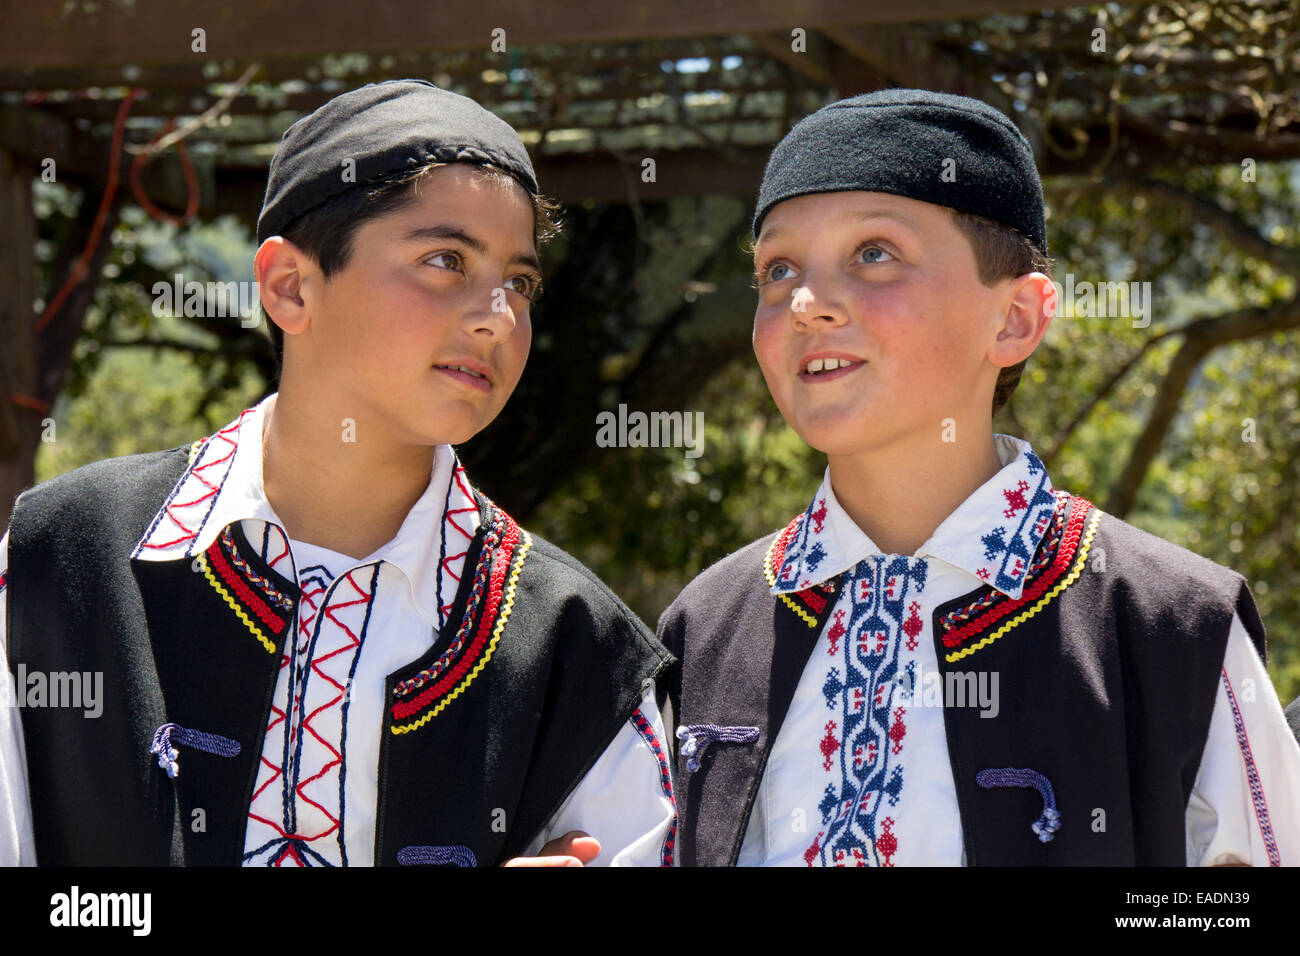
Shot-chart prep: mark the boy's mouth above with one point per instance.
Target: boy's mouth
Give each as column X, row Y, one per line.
column 473, row 375
column 825, row 368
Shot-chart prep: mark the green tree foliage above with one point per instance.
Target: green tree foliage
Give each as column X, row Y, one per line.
column 652, row 307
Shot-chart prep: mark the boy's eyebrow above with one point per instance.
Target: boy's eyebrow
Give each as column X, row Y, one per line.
column 857, row 217
column 433, row 233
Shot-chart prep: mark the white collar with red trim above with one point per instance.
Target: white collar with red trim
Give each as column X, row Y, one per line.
column 992, row 535
column 223, row 485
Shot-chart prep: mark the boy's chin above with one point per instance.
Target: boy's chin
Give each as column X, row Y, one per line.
column 447, row 429
column 843, row 438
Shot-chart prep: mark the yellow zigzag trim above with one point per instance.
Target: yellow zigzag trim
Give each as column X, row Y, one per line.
column 239, row 611
column 771, row 582
column 194, row 450
column 503, row 615
column 1044, row 600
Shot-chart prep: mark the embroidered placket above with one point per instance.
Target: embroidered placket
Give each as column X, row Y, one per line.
column 861, row 746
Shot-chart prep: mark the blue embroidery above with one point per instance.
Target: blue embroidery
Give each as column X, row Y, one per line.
column 833, row 687
column 1031, row 506
column 815, row 556
column 871, row 728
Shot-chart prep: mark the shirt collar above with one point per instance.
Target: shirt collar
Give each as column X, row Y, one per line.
column 992, row 535
column 223, row 484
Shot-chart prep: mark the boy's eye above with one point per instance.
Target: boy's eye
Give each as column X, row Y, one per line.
column 451, row 260
column 526, row 285
column 772, row 272
column 873, row 253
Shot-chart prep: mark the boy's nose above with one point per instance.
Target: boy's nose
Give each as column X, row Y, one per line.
column 807, row 309
column 494, row 316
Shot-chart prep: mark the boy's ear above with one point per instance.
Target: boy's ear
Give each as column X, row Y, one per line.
column 1028, row 314
column 279, row 267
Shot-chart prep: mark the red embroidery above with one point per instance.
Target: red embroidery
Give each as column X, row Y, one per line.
column 912, row 626
column 898, row 730
column 815, row 601
column 887, row 843
column 829, row 744
column 501, row 564
column 450, row 560
column 247, row 596
column 195, row 472
column 865, row 648
column 850, row 857
column 1015, row 498
column 819, row 516
column 810, row 854
column 348, row 647
column 864, row 756
column 813, row 598
column 836, row 632
column 1065, row 553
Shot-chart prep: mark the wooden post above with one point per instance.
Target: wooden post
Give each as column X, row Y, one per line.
column 19, row 425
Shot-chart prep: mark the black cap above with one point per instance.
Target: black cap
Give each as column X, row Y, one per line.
column 382, row 128
column 897, row 141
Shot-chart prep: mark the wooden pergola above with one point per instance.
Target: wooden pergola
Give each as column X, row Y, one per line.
column 178, row 106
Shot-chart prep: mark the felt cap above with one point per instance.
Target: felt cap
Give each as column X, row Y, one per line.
column 382, row 128
column 936, row 147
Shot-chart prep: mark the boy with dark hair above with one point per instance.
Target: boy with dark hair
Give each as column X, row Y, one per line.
column 319, row 644
column 946, row 660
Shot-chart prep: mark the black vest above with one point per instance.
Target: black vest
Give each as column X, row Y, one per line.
column 1107, row 678
column 479, row 758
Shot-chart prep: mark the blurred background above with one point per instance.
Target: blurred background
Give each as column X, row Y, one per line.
column 135, row 137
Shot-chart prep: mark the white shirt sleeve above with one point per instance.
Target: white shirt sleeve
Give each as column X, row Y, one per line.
column 626, row 799
column 17, row 841
column 1245, row 803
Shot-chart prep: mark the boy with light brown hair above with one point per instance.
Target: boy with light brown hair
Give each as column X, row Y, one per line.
column 946, row 660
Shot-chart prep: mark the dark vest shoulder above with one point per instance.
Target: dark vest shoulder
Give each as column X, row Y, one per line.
column 717, row 591
column 103, row 498
column 580, row 592
column 1169, row 594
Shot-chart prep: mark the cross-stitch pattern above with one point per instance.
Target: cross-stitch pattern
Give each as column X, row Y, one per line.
column 862, row 743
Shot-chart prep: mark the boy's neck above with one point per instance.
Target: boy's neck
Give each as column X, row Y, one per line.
column 899, row 495
column 346, row 496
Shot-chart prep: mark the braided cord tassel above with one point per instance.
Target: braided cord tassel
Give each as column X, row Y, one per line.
column 1049, row 821
column 436, row 856
column 696, row 737
column 167, row 735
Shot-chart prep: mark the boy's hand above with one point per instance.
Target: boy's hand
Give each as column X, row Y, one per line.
column 575, row 848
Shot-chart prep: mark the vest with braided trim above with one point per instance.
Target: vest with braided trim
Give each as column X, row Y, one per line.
column 1108, row 671
column 479, row 758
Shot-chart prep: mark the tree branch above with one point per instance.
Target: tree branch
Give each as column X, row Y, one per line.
column 1084, row 410
column 1202, row 337
column 1228, row 224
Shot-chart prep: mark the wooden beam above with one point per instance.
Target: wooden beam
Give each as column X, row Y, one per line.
column 807, row 63
column 34, row 135
column 160, row 31
column 904, row 57
column 680, row 172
